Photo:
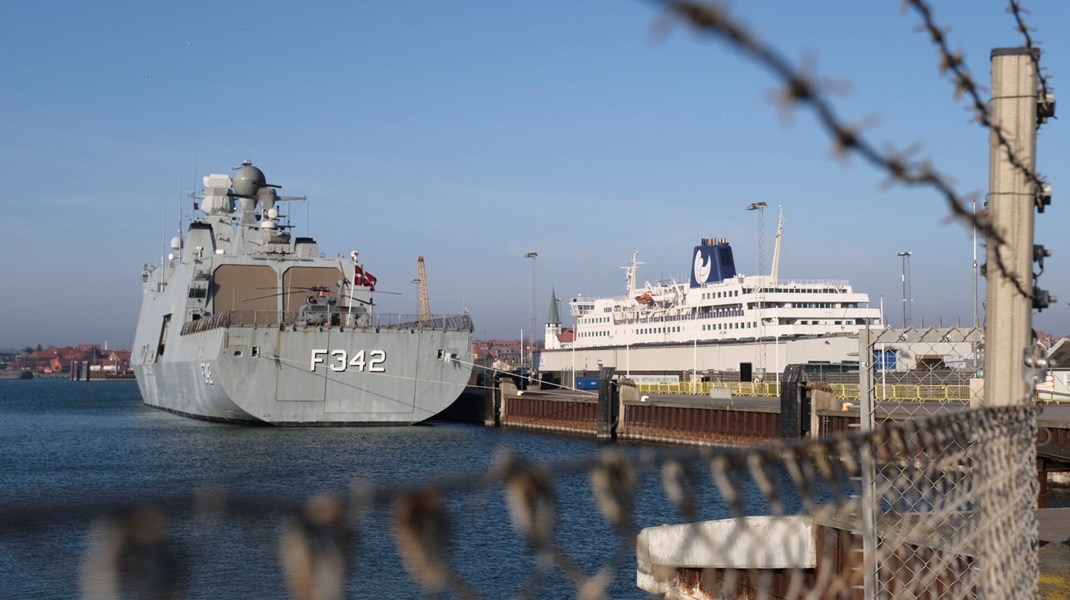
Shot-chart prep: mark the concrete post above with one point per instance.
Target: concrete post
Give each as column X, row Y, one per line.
column 1008, row 314
column 1011, row 197
column 626, row 393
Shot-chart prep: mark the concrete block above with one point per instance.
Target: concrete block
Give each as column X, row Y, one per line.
column 977, row 392
column 508, row 387
column 745, row 543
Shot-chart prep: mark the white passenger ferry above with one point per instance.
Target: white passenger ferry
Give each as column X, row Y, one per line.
column 753, row 321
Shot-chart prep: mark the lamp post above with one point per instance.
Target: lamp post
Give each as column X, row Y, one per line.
column 531, row 309
column 907, row 300
column 416, row 282
column 760, row 291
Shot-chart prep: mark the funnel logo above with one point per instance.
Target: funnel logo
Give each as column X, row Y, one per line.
column 702, row 267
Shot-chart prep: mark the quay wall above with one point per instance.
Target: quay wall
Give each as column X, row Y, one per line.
column 699, row 425
column 630, row 416
column 560, row 415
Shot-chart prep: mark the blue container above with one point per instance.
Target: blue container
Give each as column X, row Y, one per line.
column 586, row 383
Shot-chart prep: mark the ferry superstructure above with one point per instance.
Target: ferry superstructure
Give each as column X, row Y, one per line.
column 717, row 307
column 244, row 324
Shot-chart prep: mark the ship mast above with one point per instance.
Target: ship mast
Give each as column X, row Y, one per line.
column 776, row 247
column 632, row 271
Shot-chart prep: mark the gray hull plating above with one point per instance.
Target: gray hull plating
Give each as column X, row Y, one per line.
column 279, row 384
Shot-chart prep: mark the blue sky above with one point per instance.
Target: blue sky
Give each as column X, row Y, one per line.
column 475, row 132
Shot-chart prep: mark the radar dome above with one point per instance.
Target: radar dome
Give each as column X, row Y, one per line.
column 248, row 180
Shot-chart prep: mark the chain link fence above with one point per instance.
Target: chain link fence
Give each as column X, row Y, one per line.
column 954, row 517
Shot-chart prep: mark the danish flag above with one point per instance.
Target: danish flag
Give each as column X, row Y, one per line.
column 363, row 278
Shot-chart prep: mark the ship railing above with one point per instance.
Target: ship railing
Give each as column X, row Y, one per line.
column 342, row 318
column 844, row 391
column 413, row 322
column 683, row 316
column 204, row 324
column 831, row 283
column 750, row 389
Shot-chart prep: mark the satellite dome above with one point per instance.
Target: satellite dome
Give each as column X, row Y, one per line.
column 248, row 180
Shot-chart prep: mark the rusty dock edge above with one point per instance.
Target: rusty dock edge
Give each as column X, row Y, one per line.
column 619, row 412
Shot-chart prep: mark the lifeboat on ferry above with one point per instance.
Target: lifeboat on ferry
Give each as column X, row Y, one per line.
column 645, row 298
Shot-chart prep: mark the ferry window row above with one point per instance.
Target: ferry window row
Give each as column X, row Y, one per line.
column 720, row 326
column 594, row 334
column 721, row 312
column 646, row 330
column 816, row 305
column 715, row 295
column 768, row 305
column 595, row 320
column 794, row 291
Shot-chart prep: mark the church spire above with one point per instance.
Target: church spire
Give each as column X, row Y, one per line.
column 554, row 318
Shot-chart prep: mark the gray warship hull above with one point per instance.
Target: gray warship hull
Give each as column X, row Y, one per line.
column 241, row 326
column 217, row 375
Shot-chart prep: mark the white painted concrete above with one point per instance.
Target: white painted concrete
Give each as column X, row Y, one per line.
column 746, row 543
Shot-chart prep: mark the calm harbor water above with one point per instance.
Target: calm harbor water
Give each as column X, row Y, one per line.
column 65, row 442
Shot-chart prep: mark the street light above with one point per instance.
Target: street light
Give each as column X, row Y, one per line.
column 531, row 311
column 907, row 300
column 760, row 292
column 416, row 282
column 760, row 207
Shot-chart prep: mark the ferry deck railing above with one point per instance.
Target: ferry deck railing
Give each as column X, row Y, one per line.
column 843, row 391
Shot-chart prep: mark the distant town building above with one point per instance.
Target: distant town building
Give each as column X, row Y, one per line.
column 59, row 360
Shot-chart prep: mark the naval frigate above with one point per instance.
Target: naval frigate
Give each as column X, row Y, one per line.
column 241, row 323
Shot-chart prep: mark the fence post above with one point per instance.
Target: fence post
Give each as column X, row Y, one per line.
column 1012, row 196
column 1011, row 199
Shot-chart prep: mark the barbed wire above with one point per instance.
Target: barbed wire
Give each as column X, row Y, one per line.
column 801, row 88
column 955, row 63
column 1017, row 10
